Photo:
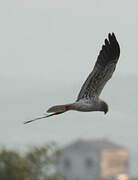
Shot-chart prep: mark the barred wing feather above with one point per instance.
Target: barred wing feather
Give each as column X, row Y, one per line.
column 103, row 69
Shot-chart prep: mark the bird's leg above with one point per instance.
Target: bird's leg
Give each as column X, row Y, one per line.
column 42, row 117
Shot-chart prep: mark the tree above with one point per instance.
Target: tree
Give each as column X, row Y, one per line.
column 36, row 164
column 41, row 162
column 12, row 166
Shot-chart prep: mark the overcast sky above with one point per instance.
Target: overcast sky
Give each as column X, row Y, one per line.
column 48, row 47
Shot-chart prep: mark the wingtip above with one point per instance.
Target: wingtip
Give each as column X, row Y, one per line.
column 106, row 42
column 111, row 34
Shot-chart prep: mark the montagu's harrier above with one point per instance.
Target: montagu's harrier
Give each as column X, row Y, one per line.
column 88, row 98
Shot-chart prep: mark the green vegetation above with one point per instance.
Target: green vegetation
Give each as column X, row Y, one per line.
column 36, row 164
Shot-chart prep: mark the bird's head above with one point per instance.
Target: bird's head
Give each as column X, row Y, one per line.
column 104, row 107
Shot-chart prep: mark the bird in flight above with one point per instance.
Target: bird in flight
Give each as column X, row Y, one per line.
column 88, row 98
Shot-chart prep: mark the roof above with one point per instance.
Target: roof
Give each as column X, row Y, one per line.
column 94, row 144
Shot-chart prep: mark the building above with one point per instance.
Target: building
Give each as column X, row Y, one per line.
column 93, row 160
column 134, row 178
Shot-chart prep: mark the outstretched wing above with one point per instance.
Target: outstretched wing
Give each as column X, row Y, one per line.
column 103, row 69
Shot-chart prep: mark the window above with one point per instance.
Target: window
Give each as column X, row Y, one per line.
column 67, row 163
column 89, row 163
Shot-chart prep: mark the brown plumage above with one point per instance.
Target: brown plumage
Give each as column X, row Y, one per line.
column 88, row 98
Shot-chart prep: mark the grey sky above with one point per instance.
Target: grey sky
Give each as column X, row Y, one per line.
column 48, row 47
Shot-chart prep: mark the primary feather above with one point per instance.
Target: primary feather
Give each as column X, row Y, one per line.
column 103, row 69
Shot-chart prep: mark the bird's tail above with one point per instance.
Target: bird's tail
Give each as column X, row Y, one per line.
column 54, row 110
column 60, row 108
